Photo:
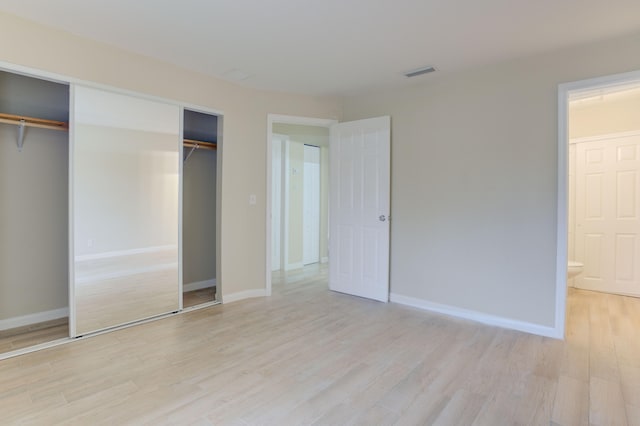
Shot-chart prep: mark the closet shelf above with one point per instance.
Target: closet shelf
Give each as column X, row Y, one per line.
column 33, row 122
column 192, row 143
column 23, row 121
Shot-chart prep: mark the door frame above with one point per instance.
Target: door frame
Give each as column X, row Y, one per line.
column 282, row 119
column 218, row 223
column 317, row 196
column 565, row 90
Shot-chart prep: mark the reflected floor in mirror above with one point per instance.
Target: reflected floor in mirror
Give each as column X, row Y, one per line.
column 198, row 297
column 118, row 289
column 34, row 334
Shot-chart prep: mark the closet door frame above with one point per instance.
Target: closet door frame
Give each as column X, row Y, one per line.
column 219, row 151
column 72, row 82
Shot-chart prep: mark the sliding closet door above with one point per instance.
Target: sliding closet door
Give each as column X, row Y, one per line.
column 125, row 191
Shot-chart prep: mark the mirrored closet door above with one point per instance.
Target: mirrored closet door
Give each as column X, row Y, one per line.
column 125, row 202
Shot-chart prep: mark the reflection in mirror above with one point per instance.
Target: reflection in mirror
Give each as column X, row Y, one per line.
column 126, row 163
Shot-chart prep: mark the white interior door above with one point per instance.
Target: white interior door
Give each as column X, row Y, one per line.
column 607, row 214
column 359, row 208
column 311, row 205
column 276, row 202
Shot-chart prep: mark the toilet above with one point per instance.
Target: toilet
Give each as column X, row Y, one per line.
column 574, row 268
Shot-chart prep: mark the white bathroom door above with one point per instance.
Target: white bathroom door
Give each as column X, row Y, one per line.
column 359, row 208
column 608, row 214
column 311, row 206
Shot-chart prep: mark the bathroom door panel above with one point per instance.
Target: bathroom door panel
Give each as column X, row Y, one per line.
column 359, row 208
column 608, row 214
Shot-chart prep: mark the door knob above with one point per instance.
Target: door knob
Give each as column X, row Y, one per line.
column 382, row 218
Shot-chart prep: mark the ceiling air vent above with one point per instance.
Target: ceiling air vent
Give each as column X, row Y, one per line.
column 419, row 71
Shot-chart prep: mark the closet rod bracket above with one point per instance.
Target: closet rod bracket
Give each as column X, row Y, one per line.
column 193, row 148
column 20, row 135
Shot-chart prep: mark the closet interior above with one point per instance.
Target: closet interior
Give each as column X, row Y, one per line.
column 199, row 208
column 90, row 219
column 34, row 164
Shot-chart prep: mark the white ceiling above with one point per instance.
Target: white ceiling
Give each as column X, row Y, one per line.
column 333, row 47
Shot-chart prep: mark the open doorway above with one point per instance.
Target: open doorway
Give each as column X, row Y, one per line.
column 599, row 192
column 298, row 197
column 200, row 208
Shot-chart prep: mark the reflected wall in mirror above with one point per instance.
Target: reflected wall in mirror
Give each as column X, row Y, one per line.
column 126, row 163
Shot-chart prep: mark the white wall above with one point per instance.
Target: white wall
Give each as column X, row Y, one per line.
column 474, row 179
column 245, row 123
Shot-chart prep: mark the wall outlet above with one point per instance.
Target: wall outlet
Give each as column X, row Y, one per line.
column 90, row 242
column 252, row 199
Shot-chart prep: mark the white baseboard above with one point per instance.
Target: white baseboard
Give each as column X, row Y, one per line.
column 25, row 320
column 90, row 279
column 122, row 253
column 198, row 285
column 453, row 311
column 234, row 297
column 292, row 266
column 324, row 260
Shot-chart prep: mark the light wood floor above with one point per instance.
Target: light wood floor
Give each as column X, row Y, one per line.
column 198, row 297
column 30, row 335
column 310, row 356
column 23, row 337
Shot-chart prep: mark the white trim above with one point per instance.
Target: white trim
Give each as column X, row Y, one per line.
column 286, row 119
column 200, row 306
column 305, row 121
column 292, row 266
column 604, row 136
column 247, row 294
column 199, row 285
column 119, row 253
column 564, row 91
column 71, row 234
column 91, row 279
column 180, row 200
column 324, row 260
column 493, row 320
column 36, row 318
column 284, row 224
column 562, row 212
column 35, row 348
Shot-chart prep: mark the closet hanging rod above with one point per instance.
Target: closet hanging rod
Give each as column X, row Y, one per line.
column 33, row 122
column 24, row 121
column 200, row 144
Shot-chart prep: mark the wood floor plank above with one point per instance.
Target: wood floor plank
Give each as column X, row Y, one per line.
column 571, row 406
column 607, row 405
column 310, row 356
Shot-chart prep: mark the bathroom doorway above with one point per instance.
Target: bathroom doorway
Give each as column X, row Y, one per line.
column 599, row 188
column 604, row 185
